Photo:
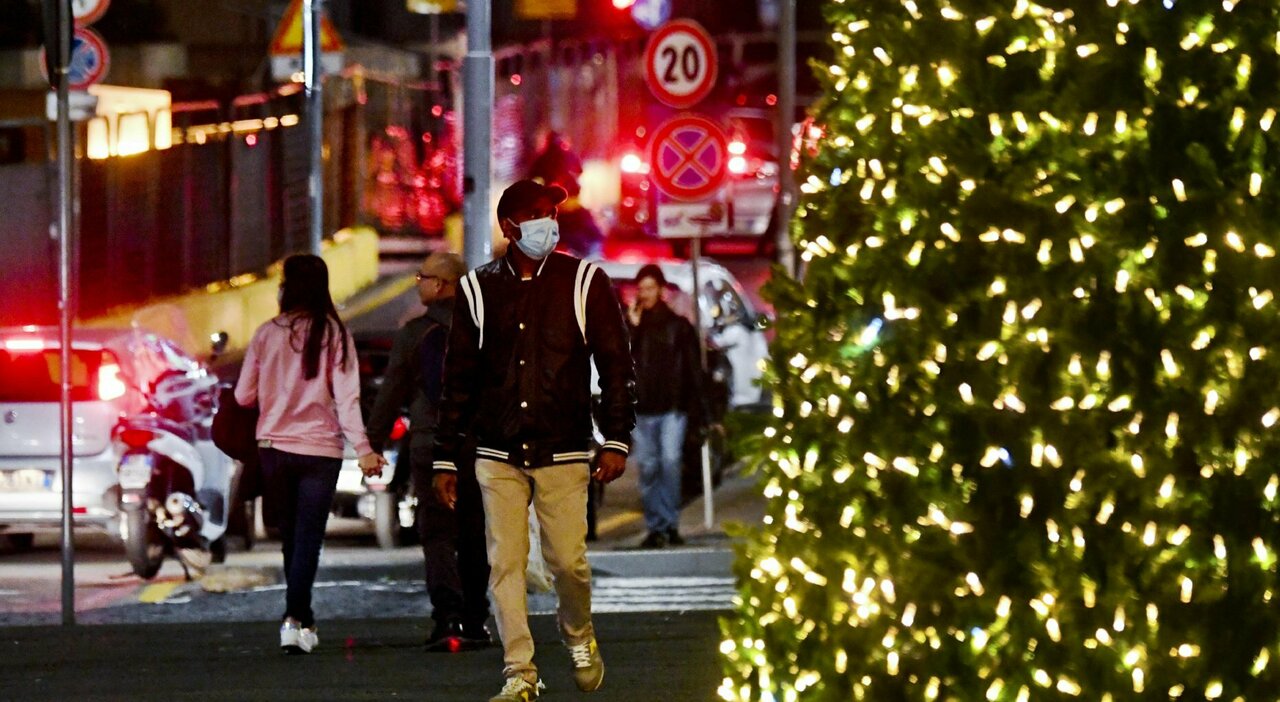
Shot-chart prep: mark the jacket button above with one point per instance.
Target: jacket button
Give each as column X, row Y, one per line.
column 522, row 361
column 525, row 446
column 526, row 464
column 524, row 405
column 522, row 325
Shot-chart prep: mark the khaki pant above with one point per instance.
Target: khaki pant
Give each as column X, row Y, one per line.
column 559, row 497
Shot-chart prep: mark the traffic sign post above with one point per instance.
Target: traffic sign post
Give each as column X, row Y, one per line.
column 680, row 63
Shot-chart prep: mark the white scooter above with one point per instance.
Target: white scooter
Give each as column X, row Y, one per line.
column 177, row 490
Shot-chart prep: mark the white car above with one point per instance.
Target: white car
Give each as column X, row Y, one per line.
column 107, row 368
column 729, row 320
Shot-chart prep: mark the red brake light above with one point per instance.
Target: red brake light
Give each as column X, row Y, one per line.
column 738, row 165
column 737, row 148
column 110, row 385
column 399, row 429
column 623, row 4
column 24, row 344
column 136, row 438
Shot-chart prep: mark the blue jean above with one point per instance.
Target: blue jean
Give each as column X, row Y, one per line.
column 658, row 447
column 302, row 489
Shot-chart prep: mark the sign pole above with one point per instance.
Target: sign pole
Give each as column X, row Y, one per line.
column 786, row 115
column 311, row 68
column 708, row 508
column 66, row 163
column 477, row 128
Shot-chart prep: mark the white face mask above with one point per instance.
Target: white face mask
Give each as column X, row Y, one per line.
column 538, row 237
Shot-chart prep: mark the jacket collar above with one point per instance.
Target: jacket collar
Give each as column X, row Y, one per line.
column 509, row 259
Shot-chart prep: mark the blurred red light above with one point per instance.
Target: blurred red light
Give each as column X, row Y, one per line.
column 771, row 100
column 737, row 148
column 251, row 139
column 738, row 165
column 436, row 110
column 623, row 4
column 515, row 79
column 399, row 429
column 137, row 438
column 110, row 385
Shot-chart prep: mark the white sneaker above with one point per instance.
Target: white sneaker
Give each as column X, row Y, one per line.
column 296, row 639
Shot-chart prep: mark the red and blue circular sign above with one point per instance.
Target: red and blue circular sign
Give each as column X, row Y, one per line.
column 89, row 59
column 688, row 157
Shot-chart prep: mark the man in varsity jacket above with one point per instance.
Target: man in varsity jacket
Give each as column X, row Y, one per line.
column 518, row 380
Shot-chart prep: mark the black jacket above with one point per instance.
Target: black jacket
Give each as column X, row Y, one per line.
column 518, row 366
column 668, row 365
column 404, row 383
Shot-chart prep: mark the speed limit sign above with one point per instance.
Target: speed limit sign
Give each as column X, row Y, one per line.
column 680, row 63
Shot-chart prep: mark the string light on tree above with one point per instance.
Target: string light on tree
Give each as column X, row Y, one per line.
column 1050, row 471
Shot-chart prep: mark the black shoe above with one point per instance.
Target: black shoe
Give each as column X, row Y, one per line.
column 476, row 635
column 674, row 538
column 446, row 636
column 655, row 539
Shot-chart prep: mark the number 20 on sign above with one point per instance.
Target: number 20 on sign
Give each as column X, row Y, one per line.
column 680, row 63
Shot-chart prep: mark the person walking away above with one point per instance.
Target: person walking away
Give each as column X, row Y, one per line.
column 300, row 368
column 526, row 329
column 668, row 388
column 453, row 547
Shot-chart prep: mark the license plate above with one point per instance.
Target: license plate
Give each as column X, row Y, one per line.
column 135, row 471
column 26, row 480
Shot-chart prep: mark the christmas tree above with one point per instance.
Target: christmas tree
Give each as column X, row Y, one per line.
column 1023, row 446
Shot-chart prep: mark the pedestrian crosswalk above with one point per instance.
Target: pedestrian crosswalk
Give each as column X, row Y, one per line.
column 663, row 594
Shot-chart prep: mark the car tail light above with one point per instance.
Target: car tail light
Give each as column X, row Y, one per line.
column 632, row 163
column 399, row 429
column 738, row 165
column 737, row 148
column 110, row 385
column 21, row 344
column 136, row 438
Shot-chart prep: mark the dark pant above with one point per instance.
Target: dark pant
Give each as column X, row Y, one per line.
column 453, row 547
column 301, row 487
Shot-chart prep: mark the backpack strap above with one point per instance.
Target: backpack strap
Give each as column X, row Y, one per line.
column 581, row 286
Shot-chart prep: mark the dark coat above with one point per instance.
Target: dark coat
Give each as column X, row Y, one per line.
column 668, row 365
column 407, row 382
column 518, row 367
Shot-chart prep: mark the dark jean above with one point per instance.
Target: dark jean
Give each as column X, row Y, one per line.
column 453, row 546
column 301, row 487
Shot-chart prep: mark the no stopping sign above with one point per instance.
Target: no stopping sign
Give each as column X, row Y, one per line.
column 680, row 63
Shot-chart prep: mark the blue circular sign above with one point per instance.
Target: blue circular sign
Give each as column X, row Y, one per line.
column 651, row 14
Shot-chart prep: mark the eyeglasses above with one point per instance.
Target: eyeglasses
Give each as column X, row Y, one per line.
column 422, row 276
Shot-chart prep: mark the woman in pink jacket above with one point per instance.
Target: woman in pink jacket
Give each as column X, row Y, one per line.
column 301, row 370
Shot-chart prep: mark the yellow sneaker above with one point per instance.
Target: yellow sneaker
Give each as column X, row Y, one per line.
column 588, row 666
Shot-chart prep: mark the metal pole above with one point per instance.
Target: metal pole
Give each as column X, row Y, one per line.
column 477, row 128
column 311, row 69
column 708, row 508
column 786, row 116
column 66, row 166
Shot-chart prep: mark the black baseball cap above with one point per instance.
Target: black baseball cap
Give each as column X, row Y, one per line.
column 524, row 193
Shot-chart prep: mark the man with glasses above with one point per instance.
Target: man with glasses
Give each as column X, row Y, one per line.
column 453, row 547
